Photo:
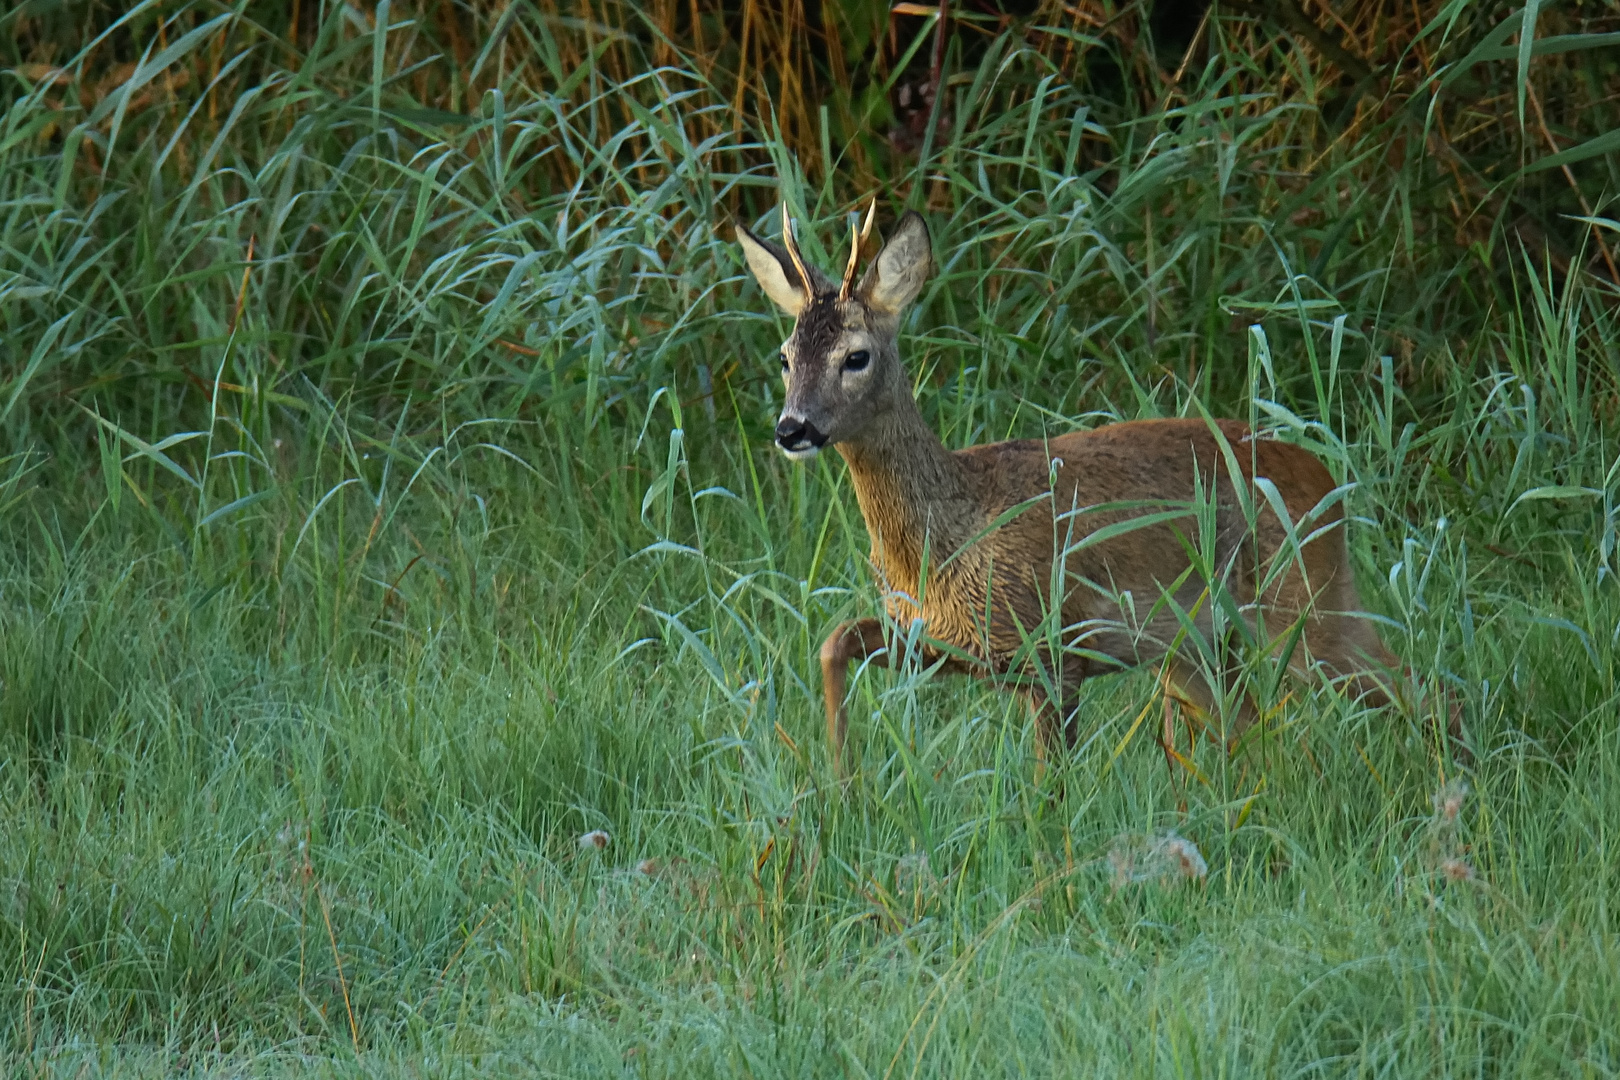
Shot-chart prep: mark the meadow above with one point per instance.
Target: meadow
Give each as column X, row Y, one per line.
column 408, row 631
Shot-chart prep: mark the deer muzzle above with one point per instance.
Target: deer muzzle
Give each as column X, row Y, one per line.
column 799, row 438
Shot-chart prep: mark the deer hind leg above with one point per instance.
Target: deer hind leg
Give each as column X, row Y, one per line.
column 1353, row 655
column 1346, row 647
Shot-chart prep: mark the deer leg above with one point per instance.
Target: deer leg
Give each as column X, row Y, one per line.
column 1351, row 652
column 1055, row 729
column 1174, row 702
column 1373, row 689
column 1040, row 707
column 858, row 640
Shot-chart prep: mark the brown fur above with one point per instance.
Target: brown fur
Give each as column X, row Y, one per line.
column 982, row 591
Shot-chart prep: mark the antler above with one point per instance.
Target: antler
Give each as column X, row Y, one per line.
column 792, row 246
column 856, row 239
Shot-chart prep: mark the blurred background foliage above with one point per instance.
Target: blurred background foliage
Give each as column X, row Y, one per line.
column 303, row 163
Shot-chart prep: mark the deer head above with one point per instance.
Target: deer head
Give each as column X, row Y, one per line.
column 841, row 365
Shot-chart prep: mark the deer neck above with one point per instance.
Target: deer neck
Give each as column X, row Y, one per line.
column 911, row 492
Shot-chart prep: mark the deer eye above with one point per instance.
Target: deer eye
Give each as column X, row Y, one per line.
column 857, row 361
column 783, row 358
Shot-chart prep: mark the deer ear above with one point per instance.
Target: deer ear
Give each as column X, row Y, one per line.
column 774, row 270
column 896, row 276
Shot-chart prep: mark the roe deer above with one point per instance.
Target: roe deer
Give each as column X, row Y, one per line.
column 965, row 540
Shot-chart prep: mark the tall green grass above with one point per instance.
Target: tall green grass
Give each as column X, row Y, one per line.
column 388, row 503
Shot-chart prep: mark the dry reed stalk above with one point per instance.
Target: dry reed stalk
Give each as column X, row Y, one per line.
column 343, row 983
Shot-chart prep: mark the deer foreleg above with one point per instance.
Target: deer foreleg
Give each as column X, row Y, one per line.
column 1056, row 726
column 858, row 640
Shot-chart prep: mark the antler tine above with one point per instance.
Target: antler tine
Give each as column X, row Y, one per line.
column 871, row 218
column 792, row 246
column 857, row 237
column 854, row 258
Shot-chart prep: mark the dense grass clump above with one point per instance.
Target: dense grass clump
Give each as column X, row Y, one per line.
column 408, row 636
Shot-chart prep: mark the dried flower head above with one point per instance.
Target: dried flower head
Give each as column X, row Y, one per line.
column 1448, row 801
column 1455, row 869
column 1179, row 856
column 1166, row 857
column 1123, row 862
column 596, row 838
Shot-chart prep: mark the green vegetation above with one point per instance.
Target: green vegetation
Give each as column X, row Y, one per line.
column 387, row 502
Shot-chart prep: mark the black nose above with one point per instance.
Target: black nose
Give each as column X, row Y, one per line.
column 795, row 434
